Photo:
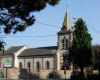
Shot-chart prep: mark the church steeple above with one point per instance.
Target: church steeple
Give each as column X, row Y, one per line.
column 65, row 34
column 65, row 38
column 67, row 23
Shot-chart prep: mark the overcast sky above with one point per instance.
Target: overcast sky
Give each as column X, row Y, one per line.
column 37, row 35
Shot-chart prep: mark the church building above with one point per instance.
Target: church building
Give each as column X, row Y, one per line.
column 52, row 57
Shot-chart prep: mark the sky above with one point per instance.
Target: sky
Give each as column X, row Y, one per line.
column 38, row 35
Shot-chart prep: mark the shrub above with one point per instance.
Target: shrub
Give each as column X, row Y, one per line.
column 54, row 75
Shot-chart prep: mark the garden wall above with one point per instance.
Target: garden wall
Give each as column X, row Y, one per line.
column 13, row 73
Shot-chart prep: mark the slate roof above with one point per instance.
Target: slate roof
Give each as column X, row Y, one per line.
column 13, row 49
column 38, row 51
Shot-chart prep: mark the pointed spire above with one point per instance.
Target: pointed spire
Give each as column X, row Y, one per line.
column 66, row 24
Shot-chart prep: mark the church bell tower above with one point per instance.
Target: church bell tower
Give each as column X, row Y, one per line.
column 65, row 37
column 65, row 34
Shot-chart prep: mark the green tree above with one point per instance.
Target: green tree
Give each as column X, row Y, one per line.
column 2, row 44
column 15, row 14
column 97, row 57
column 82, row 50
column 2, row 51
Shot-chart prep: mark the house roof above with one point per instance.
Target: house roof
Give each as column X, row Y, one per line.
column 13, row 49
column 38, row 51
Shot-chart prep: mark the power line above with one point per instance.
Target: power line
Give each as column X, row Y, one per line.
column 47, row 35
column 48, row 25
column 93, row 28
column 34, row 36
column 60, row 27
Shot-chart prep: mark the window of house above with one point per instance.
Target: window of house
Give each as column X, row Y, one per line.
column 87, row 68
column 28, row 65
column 20, row 65
column 47, row 65
column 37, row 65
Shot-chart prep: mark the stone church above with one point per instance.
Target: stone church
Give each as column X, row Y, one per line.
column 52, row 57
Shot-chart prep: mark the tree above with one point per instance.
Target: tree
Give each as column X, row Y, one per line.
column 2, row 51
column 2, row 43
column 15, row 14
column 82, row 50
column 97, row 57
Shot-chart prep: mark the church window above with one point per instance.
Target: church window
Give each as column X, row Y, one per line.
column 66, row 43
column 38, row 65
column 62, row 44
column 20, row 65
column 28, row 65
column 47, row 65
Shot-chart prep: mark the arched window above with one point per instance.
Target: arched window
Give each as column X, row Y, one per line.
column 28, row 65
column 37, row 65
column 47, row 65
column 20, row 65
column 64, row 43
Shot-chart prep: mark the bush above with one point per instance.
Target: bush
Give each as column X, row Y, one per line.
column 54, row 75
column 93, row 76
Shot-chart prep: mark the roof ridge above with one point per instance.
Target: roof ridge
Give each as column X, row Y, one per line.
column 42, row 47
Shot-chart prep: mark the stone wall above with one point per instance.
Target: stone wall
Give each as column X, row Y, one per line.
column 13, row 73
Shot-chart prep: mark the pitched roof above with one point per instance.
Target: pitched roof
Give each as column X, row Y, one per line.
column 38, row 51
column 13, row 49
column 67, row 23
